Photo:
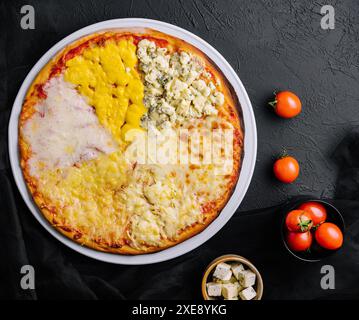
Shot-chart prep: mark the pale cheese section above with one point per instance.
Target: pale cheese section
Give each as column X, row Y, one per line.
column 64, row 130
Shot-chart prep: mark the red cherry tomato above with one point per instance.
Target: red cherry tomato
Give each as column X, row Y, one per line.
column 329, row 236
column 298, row 221
column 286, row 104
column 316, row 210
column 286, row 169
column 299, row 241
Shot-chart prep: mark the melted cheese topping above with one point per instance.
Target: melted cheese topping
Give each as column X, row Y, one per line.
column 107, row 76
column 108, row 195
column 162, row 200
column 89, row 196
column 64, row 130
column 160, row 204
column 110, row 198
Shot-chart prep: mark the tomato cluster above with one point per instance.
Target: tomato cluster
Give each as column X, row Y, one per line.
column 311, row 217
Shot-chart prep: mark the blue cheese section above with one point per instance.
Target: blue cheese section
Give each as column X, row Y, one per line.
column 175, row 86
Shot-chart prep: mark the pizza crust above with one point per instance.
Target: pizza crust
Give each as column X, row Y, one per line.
column 230, row 113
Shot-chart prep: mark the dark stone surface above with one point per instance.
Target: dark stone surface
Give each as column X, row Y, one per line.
column 272, row 45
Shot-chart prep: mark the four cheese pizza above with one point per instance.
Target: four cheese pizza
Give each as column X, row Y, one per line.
column 130, row 142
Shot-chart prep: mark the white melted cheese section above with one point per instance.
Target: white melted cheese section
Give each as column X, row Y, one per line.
column 64, row 130
column 160, row 204
column 162, row 200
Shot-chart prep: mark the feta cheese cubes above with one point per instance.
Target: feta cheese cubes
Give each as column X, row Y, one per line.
column 247, row 294
column 214, row 289
column 223, row 271
column 247, row 278
column 232, row 281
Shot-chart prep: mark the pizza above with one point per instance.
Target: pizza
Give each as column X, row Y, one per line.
column 130, row 142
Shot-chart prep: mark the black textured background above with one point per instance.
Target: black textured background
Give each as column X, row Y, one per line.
column 271, row 45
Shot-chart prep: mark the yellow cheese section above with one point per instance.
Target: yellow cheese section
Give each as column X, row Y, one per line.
column 107, row 76
column 89, row 196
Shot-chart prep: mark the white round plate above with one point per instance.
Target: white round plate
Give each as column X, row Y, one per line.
column 250, row 142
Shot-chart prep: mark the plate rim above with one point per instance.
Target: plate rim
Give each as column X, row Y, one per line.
column 248, row 163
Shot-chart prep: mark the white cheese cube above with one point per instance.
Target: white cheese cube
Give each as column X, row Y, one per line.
column 247, row 294
column 162, row 63
column 208, row 109
column 185, row 58
column 223, row 271
column 229, row 290
column 236, row 268
column 199, row 102
column 219, row 98
column 200, row 85
column 246, row 278
column 214, row 289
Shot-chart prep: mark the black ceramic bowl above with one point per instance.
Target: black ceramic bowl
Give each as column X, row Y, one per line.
column 316, row 253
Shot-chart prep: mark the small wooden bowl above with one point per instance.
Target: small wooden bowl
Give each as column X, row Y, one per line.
column 232, row 258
